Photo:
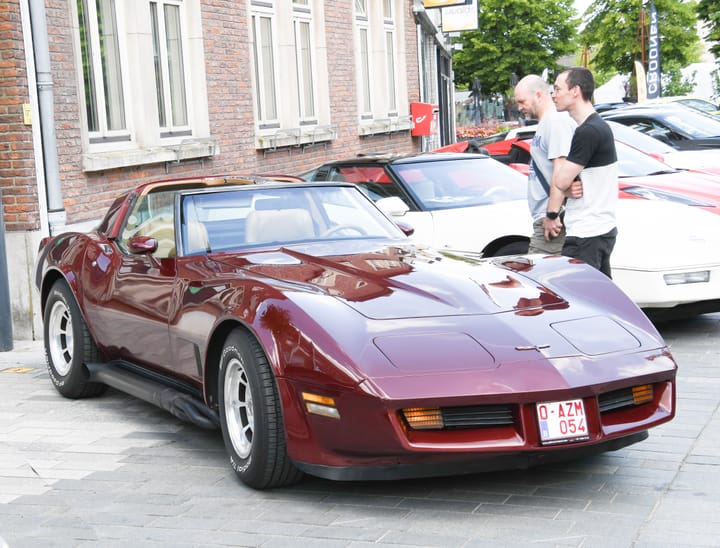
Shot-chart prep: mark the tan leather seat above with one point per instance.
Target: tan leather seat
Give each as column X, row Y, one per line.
column 197, row 237
column 279, row 225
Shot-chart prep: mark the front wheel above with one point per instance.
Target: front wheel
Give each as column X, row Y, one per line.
column 513, row 248
column 250, row 415
column 68, row 345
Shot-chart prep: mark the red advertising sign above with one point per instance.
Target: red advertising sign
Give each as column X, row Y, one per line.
column 422, row 118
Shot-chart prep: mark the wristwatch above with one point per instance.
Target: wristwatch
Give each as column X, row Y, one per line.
column 552, row 215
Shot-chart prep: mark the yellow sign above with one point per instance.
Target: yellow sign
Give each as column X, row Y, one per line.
column 443, row 3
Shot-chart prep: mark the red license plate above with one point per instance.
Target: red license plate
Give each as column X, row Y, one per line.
column 562, row 421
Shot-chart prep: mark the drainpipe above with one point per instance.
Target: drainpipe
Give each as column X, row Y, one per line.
column 41, row 50
column 6, row 334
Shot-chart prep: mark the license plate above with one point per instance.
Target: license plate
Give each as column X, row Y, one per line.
column 562, row 421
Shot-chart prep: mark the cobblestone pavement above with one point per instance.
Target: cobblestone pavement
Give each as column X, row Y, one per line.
column 115, row 471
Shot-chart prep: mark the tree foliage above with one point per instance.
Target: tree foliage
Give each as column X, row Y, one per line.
column 514, row 36
column 612, row 32
column 709, row 12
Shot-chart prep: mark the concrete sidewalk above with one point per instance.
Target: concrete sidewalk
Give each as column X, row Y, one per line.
column 114, row 471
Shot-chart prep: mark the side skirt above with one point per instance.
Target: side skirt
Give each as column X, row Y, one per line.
column 182, row 404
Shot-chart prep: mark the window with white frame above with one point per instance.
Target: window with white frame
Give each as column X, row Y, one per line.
column 102, row 71
column 389, row 27
column 150, row 108
column 264, row 56
column 363, row 62
column 382, row 96
column 304, row 64
column 169, row 68
column 289, row 34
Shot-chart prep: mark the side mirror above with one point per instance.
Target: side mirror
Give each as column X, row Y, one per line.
column 407, row 228
column 141, row 245
column 393, row 206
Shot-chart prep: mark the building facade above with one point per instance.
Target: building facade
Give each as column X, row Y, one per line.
column 99, row 96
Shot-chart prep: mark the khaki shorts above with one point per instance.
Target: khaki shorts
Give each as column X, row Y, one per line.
column 538, row 244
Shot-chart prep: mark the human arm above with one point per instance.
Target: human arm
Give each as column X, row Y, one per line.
column 559, row 189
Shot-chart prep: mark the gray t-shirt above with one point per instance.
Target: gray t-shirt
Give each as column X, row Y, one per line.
column 552, row 140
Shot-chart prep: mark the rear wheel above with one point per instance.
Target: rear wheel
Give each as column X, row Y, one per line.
column 68, row 345
column 251, row 417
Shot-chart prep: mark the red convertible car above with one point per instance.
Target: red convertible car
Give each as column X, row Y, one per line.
column 305, row 325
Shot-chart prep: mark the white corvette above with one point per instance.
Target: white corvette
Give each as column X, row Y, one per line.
column 667, row 255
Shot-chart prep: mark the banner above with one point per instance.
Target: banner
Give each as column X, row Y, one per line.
column 653, row 70
column 641, row 80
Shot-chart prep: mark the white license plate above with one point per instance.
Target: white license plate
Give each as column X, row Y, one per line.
column 562, row 421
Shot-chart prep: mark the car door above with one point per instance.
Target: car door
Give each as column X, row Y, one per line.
column 131, row 296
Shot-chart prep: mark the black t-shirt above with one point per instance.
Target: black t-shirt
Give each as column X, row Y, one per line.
column 593, row 144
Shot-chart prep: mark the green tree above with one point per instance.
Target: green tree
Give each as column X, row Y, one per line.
column 709, row 12
column 515, row 37
column 612, row 31
column 674, row 83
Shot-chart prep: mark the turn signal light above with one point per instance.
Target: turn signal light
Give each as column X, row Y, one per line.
column 642, row 394
column 316, row 404
column 702, row 276
column 423, row 418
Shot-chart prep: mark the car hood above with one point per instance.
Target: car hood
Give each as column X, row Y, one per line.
column 661, row 235
column 693, row 159
column 700, row 186
column 389, row 282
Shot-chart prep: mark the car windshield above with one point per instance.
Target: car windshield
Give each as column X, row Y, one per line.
column 683, row 120
column 635, row 163
column 639, row 140
column 257, row 215
column 471, row 181
column 695, row 124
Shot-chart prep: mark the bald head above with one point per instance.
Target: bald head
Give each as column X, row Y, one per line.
column 532, row 96
column 533, row 83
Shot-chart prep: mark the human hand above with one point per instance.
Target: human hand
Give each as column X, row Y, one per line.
column 552, row 227
column 575, row 190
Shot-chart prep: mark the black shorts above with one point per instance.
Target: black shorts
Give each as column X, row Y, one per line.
column 594, row 250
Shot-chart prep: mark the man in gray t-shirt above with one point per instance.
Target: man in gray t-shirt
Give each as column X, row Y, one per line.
column 550, row 144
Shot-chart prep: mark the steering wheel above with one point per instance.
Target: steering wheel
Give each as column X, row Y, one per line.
column 340, row 228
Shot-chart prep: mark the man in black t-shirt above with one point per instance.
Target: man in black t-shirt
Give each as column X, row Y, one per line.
column 589, row 220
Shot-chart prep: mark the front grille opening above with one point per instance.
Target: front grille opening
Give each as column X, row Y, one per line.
column 455, row 418
column 625, row 397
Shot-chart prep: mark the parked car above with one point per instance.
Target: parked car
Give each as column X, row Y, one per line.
column 321, row 340
column 500, row 146
column 705, row 160
column 698, row 103
column 466, row 204
column 456, row 203
column 640, row 176
column 681, row 127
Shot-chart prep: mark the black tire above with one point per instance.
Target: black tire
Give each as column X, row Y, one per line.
column 251, row 417
column 68, row 345
column 513, row 248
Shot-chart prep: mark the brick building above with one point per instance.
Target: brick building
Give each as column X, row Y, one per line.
column 98, row 96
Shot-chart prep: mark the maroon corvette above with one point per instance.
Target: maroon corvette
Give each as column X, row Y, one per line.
column 311, row 330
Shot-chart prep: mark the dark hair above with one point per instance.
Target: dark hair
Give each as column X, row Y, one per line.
column 583, row 78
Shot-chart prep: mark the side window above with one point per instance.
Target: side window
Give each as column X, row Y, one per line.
column 152, row 217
